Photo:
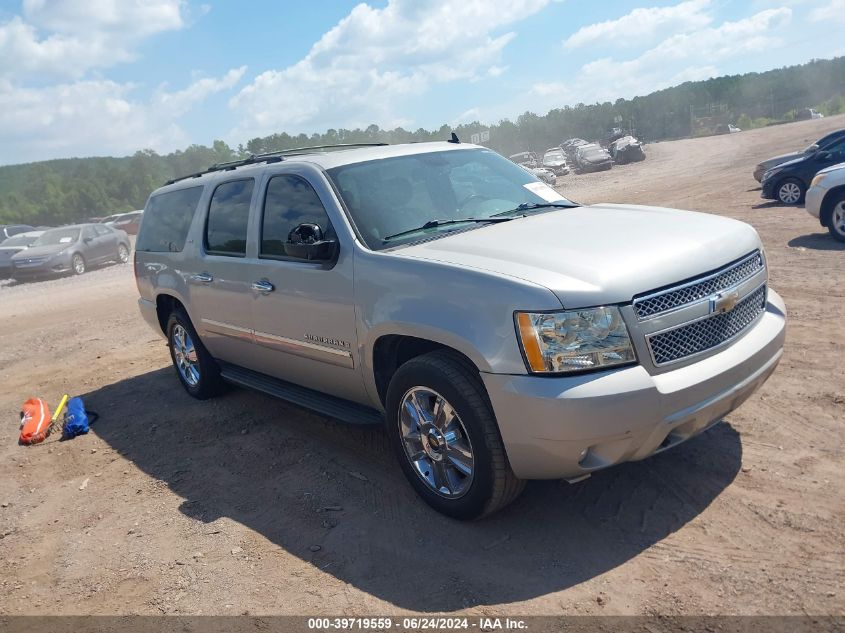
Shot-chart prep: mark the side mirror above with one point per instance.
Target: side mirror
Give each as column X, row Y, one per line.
column 307, row 241
column 87, row 240
column 812, row 149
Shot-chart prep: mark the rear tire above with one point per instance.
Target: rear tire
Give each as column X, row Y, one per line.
column 791, row 191
column 197, row 370
column 835, row 220
column 455, row 459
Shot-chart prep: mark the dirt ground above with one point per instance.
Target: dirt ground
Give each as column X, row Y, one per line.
column 245, row 504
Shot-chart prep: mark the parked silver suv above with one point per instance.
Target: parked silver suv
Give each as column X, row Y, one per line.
column 501, row 332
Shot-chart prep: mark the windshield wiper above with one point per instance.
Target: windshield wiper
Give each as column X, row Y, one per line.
column 431, row 224
column 528, row 206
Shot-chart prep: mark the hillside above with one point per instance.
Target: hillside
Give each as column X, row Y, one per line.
column 59, row 191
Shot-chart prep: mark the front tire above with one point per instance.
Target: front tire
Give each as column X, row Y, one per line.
column 445, row 435
column 196, row 369
column 791, row 191
column 836, row 219
column 122, row 254
column 77, row 264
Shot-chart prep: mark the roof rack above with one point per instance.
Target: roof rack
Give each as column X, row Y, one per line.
column 270, row 157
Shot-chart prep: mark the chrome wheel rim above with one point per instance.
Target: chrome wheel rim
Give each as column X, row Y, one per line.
column 790, row 192
column 837, row 221
column 78, row 264
column 122, row 254
column 436, row 442
column 185, row 355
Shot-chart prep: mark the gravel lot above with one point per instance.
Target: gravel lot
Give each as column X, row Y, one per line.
column 246, row 504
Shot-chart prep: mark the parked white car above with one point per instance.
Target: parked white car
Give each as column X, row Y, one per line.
column 825, row 199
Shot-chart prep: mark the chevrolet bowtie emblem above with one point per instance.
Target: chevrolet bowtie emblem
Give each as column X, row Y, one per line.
column 723, row 302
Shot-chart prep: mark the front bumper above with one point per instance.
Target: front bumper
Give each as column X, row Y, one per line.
column 54, row 266
column 627, row 414
column 758, row 173
column 813, row 201
column 768, row 189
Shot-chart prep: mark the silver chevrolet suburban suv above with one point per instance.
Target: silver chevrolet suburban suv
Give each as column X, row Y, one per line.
column 498, row 330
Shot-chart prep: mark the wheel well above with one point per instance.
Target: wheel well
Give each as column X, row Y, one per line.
column 165, row 305
column 392, row 351
column 827, row 204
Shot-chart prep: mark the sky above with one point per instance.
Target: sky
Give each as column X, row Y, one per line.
column 110, row 77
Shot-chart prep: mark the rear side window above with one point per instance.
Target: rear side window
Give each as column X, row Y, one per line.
column 228, row 216
column 169, row 217
column 290, row 201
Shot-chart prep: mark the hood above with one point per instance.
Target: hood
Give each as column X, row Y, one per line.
column 6, row 252
column 554, row 162
column 600, row 254
column 595, row 157
column 788, row 163
column 40, row 251
column 826, row 170
column 783, row 158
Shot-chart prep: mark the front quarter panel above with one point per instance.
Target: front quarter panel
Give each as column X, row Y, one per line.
column 463, row 308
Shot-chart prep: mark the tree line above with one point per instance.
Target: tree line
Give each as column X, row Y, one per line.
column 69, row 190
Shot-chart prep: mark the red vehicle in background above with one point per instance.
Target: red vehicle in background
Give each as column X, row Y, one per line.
column 129, row 222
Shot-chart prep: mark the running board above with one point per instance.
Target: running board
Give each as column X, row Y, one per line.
column 330, row 406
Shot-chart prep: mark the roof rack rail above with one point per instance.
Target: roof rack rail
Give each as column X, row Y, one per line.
column 269, row 157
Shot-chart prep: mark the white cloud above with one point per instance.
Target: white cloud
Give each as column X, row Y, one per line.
column 682, row 57
column 66, row 39
column 96, row 116
column 643, row 25
column 357, row 71
column 833, row 11
column 180, row 102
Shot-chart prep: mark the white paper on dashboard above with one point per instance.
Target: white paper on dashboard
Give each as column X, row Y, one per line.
column 544, row 191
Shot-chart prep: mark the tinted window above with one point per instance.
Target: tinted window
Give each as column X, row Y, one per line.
column 88, row 233
column 290, row 201
column 169, row 217
column 228, row 216
column 101, row 229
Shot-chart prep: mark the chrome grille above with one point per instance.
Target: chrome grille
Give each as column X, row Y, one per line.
column 698, row 289
column 707, row 333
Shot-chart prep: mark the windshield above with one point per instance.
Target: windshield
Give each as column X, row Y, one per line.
column 553, row 156
column 593, row 152
column 19, row 240
column 390, row 196
column 57, row 236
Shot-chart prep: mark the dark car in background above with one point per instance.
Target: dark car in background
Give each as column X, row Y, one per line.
column 9, row 230
column 626, row 149
column 774, row 161
column 788, row 182
column 592, row 157
column 13, row 246
column 71, row 249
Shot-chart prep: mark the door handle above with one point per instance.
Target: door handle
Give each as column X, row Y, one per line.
column 263, row 286
column 204, row 278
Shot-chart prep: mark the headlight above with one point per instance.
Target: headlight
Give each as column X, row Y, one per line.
column 770, row 173
column 561, row 342
column 817, row 180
